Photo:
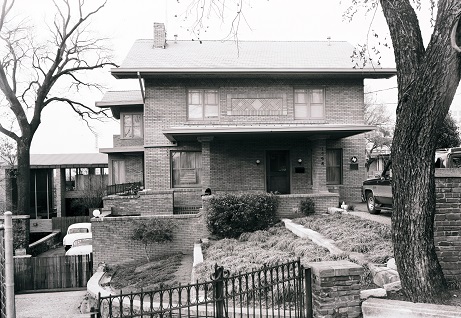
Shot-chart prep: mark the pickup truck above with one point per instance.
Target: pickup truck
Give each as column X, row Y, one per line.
column 377, row 192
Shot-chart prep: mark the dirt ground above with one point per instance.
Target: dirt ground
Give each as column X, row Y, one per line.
column 50, row 305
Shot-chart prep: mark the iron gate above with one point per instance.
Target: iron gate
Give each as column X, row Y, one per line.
column 282, row 290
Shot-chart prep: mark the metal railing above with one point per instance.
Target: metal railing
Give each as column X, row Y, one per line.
column 281, row 290
column 7, row 301
column 124, row 188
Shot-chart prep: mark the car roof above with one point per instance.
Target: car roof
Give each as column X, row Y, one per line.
column 80, row 225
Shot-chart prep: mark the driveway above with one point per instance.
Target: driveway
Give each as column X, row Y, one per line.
column 360, row 210
column 52, row 305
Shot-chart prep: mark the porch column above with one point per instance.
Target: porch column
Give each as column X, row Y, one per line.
column 319, row 168
column 59, row 193
column 206, row 165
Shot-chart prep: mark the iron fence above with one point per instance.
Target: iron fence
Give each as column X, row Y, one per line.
column 282, row 290
column 124, row 188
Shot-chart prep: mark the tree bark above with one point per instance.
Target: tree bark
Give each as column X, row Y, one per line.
column 427, row 82
column 23, row 175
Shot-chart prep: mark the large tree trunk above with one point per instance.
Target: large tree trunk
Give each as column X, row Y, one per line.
column 23, row 176
column 427, row 81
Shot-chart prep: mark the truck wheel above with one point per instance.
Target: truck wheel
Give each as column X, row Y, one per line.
column 371, row 204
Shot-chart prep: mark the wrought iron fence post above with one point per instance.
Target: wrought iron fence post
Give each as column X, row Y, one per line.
column 308, row 291
column 9, row 266
column 218, row 290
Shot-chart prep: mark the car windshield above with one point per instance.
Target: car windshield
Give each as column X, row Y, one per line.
column 456, row 162
column 78, row 230
column 82, row 242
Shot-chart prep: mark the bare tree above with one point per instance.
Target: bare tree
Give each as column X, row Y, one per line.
column 380, row 139
column 427, row 78
column 31, row 72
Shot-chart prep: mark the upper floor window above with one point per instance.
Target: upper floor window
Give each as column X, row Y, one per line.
column 202, row 104
column 132, row 126
column 309, row 103
column 334, row 166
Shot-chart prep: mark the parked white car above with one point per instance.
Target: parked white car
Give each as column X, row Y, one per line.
column 76, row 231
column 82, row 246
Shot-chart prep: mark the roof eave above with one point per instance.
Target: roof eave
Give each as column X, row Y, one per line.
column 121, row 73
column 103, row 104
column 175, row 134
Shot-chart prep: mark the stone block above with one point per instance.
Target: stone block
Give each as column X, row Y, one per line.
column 376, row 293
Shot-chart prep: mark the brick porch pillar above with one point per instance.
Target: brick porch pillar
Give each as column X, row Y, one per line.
column 319, row 168
column 206, row 164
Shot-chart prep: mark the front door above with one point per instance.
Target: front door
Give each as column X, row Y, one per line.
column 278, row 171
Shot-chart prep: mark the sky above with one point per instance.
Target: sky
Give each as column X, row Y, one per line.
column 122, row 22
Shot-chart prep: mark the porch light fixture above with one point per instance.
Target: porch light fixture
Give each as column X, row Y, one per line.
column 96, row 213
column 300, row 160
column 258, row 161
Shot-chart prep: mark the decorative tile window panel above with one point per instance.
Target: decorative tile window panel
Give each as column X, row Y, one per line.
column 257, row 106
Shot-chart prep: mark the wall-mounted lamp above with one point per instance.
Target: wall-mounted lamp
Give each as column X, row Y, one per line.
column 258, row 161
column 300, row 160
column 96, row 213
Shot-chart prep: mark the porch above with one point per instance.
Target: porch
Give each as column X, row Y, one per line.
column 148, row 202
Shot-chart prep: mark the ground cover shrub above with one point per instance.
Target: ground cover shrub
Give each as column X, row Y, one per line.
column 251, row 251
column 230, row 215
column 353, row 234
column 307, row 206
column 134, row 275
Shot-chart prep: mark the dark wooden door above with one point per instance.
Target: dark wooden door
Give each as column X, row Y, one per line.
column 278, row 171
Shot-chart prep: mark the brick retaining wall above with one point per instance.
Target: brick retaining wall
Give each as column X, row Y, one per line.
column 144, row 203
column 112, row 241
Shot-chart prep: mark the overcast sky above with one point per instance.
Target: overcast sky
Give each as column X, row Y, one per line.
column 125, row 21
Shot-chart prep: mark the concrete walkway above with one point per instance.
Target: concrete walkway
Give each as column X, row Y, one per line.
column 50, row 305
column 360, row 210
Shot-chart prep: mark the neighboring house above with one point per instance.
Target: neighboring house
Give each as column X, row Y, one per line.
column 58, row 180
column 283, row 117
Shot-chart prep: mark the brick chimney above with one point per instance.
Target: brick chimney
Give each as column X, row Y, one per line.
column 159, row 35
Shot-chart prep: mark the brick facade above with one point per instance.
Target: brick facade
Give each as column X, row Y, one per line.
column 232, row 163
column 447, row 226
column 229, row 164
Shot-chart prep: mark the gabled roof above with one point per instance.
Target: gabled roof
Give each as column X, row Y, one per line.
column 315, row 58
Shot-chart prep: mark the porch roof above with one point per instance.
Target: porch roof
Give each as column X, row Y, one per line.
column 330, row 131
column 68, row 160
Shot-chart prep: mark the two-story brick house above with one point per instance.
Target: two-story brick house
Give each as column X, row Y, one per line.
column 285, row 117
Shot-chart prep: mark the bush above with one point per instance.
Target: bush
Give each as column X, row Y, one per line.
column 230, row 215
column 153, row 231
column 307, row 206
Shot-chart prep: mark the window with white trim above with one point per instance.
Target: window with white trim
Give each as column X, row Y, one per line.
column 132, row 126
column 186, row 167
column 309, row 103
column 202, row 104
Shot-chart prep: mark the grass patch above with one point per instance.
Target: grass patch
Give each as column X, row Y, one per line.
column 133, row 276
column 353, row 234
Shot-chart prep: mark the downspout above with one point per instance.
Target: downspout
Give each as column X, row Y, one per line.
column 141, row 86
